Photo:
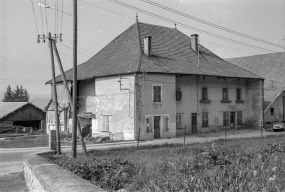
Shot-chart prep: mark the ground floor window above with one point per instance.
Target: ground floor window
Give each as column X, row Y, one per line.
column 205, row 121
column 106, row 123
column 239, row 117
column 226, row 118
column 148, row 124
column 165, row 123
column 178, row 120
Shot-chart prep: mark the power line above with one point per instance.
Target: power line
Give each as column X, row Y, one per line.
column 211, row 24
column 42, row 16
column 107, row 9
column 61, row 15
column 46, row 15
column 77, row 51
column 187, row 26
column 35, row 17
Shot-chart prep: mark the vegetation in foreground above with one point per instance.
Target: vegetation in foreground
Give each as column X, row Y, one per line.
column 253, row 164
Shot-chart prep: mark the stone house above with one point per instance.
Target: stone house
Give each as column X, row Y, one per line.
column 153, row 81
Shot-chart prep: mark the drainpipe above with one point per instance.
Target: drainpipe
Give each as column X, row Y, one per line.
column 197, row 103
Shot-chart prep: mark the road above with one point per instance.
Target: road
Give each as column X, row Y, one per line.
column 11, row 159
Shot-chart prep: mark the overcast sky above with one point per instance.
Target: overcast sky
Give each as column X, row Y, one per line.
column 24, row 61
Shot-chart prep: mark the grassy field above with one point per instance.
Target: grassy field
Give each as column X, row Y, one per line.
column 252, row 164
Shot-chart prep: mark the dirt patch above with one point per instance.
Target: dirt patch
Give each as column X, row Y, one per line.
column 14, row 182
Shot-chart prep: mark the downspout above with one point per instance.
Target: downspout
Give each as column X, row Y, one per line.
column 197, row 102
column 262, row 84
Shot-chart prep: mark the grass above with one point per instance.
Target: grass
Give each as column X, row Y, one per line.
column 249, row 164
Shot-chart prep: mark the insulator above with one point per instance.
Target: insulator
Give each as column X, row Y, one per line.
column 38, row 41
column 60, row 39
column 44, row 40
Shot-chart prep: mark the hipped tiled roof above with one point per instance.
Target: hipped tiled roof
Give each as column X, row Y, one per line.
column 171, row 54
column 269, row 66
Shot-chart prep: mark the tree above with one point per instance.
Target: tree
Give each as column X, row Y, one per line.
column 8, row 95
column 18, row 95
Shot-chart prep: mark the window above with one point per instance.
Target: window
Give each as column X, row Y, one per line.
column 148, row 124
column 239, row 117
column 178, row 120
column 239, row 98
column 226, row 118
column 205, row 122
column 156, row 93
column 225, row 94
column 106, row 123
column 165, row 123
column 272, row 111
column 204, row 94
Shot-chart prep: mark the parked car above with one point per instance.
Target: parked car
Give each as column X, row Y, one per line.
column 278, row 126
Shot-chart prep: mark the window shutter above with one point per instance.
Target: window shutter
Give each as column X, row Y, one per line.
column 150, row 123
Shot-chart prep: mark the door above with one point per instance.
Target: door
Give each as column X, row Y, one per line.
column 232, row 120
column 194, row 122
column 157, row 127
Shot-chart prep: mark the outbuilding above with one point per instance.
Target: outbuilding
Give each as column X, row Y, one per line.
column 22, row 114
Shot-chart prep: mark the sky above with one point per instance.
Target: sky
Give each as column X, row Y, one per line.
column 25, row 62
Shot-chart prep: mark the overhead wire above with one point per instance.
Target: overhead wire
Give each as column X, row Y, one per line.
column 72, row 48
column 35, row 17
column 41, row 15
column 187, row 26
column 46, row 17
column 211, row 24
column 61, row 15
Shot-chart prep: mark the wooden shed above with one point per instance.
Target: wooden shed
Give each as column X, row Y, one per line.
column 22, row 114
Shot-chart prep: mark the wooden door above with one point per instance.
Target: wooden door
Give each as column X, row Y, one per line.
column 194, row 122
column 232, row 120
column 157, row 127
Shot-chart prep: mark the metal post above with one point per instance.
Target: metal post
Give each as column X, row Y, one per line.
column 74, row 118
column 55, row 103
column 139, row 136
column 184, row 134
column 69, row 97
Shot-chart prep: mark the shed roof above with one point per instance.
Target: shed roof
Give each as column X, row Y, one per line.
column 171, row 54
column 7, row 108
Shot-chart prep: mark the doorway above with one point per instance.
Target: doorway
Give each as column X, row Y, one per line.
column 156, row 127
column 232, row 120
column 194, row 122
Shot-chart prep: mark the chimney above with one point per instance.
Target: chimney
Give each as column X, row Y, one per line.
column 147, row 45
column 195, row 42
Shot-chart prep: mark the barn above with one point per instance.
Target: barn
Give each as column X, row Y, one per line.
column 23, row 114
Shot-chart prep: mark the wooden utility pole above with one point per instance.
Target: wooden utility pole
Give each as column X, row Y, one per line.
column 74, row 117
column 69, row 97
column 58, row 150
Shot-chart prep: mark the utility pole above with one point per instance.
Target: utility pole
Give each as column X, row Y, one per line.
column 58, row 150
column 74, row 118
column 69, row 97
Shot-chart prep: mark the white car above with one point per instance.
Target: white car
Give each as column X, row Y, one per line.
column 278, row 126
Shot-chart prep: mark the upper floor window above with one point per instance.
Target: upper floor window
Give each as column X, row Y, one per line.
column 157, row 93
column 204, row 93
column 225, row 94
column 239, row 98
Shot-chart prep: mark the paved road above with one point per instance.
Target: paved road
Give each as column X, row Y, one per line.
column 11, row 160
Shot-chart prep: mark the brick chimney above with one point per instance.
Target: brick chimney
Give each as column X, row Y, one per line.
column 147, row 45
column 195, row 42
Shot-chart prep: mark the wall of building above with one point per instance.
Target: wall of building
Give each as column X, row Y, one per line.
column 278, row 106
column 86, row 96
column 254, row 103
column 149, row 109
column 191, row 87
column 115, row 100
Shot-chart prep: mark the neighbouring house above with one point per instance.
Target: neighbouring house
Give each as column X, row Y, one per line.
column 153, row 82
column 271, row 68
column 22, row 114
